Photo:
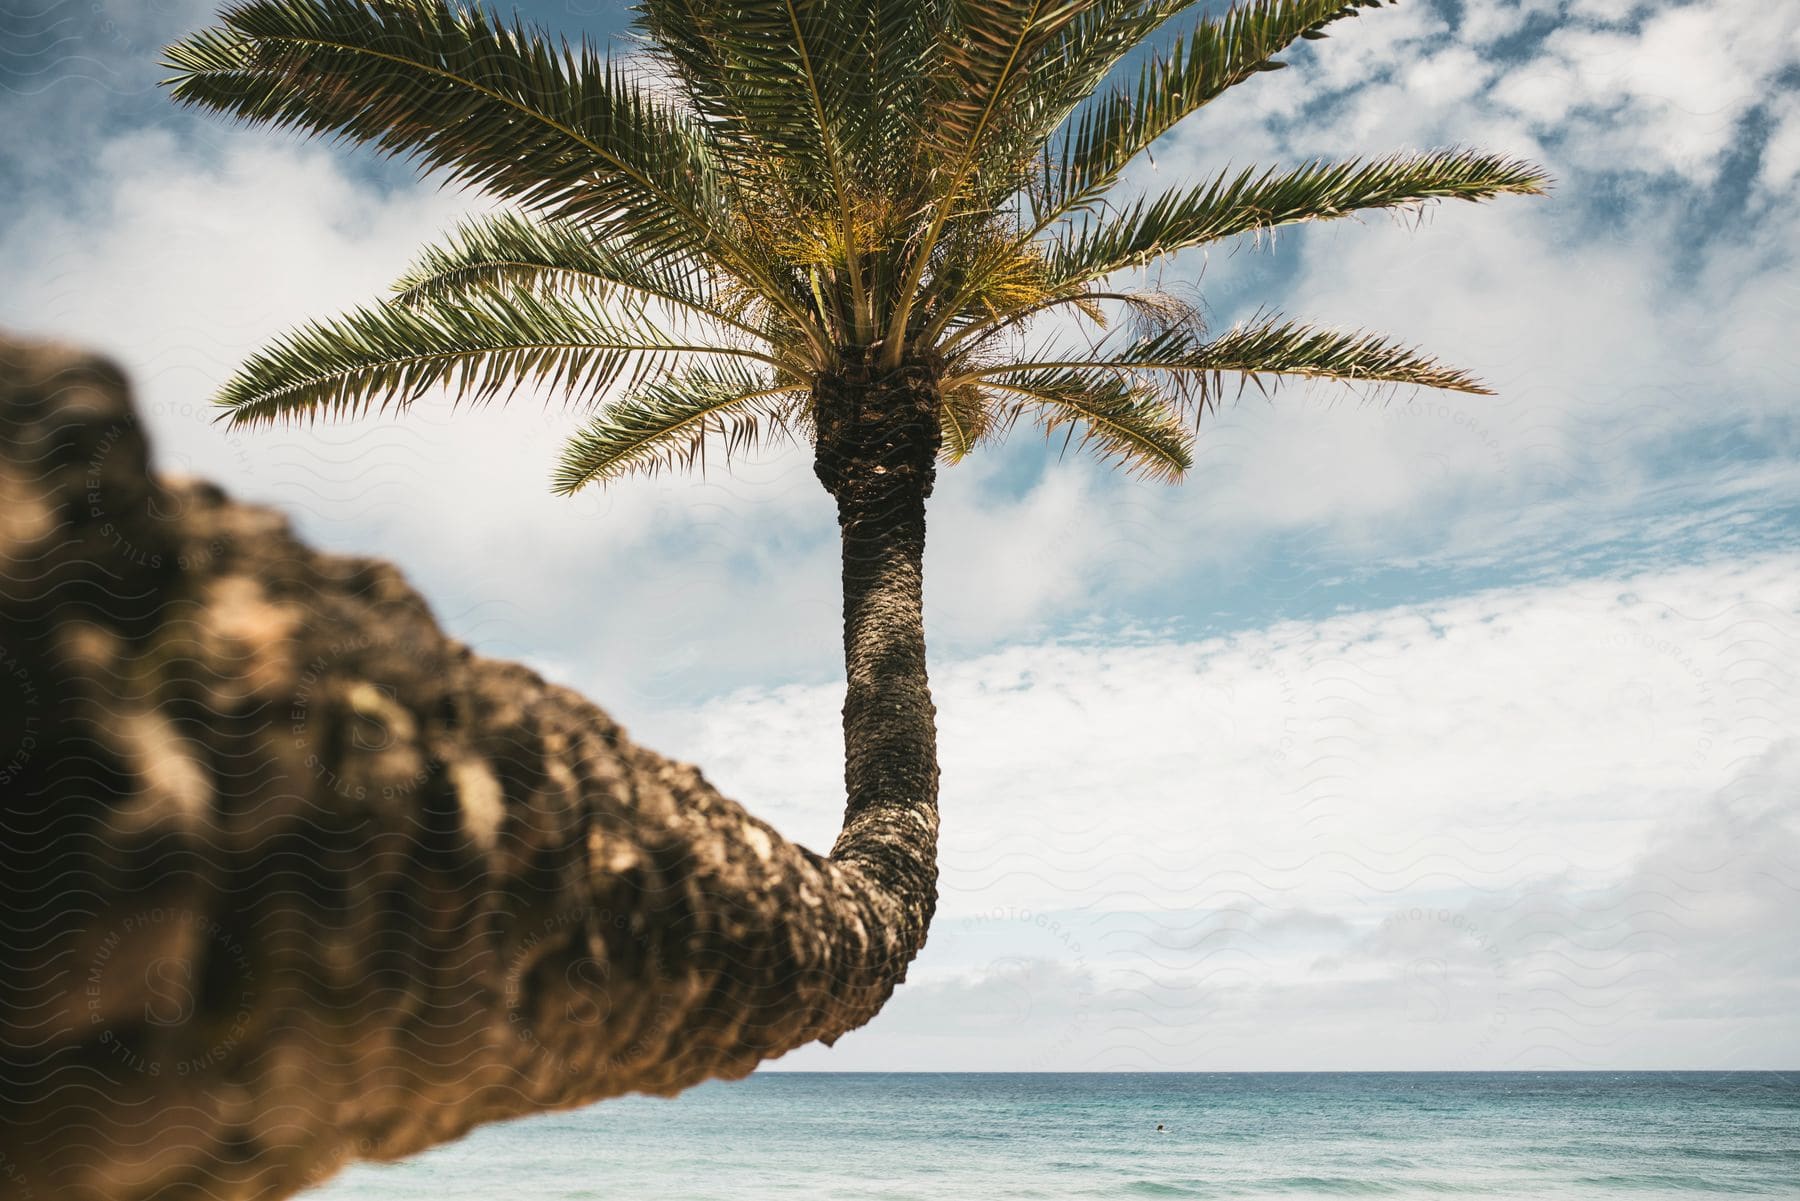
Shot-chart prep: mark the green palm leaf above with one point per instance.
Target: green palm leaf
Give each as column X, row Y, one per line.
column 477, row 346
column 795, row 77
column 1190, row 370
column 1249, row 200
column 1220, row 53
column 493, row 105
column 1063, row 72
column 670, row 421
column 983, row 62
column 1081, row 157
column 967, row 420
column 1118, row 420
column 987, row 53
column 511, row 251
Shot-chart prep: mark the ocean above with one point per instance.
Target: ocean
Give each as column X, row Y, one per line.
column 1542, row 1136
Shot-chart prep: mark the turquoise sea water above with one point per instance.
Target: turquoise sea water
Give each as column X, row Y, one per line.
column 918, row 1135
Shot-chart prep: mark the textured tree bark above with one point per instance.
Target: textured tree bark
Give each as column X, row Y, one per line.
column 876, row 453
column 288, row 878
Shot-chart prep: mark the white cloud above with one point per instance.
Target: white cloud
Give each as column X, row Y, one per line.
column 1543, row 774
column 1485, row 23
column 1673, row 92
column 1781, row 155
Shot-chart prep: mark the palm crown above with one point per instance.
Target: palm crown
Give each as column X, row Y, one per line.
column 779, row 190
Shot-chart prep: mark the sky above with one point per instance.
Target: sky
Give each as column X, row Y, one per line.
column 1412, row 732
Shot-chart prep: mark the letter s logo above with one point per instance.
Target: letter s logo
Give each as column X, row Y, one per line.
column 589, row 1001
column 171, row 1000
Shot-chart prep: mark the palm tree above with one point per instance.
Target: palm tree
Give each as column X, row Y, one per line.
column 829, row 219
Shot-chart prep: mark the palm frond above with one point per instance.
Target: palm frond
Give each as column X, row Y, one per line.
column 1248, row 201
column 1064, row 71
column 751, row 72
column 670, row 421
column 986, row 57
column 983, row 59
column 1149, row 310
column 1220, row 53
column 479, row 346
column 1190, row 371
column 501, row 107
column 511, row 251
column 1080, row 158
column 1120, row 421
column 967, row 420
column 809, row 85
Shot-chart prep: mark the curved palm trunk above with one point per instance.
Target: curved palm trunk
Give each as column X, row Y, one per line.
column 877, row 444
column 290, row 878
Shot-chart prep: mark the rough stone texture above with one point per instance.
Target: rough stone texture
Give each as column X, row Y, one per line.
column 288, row 878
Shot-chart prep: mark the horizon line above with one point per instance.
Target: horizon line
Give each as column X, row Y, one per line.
column 1273, row 1072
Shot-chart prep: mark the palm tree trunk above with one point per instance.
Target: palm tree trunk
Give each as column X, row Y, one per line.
column 290, row 878
column 876, row 454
